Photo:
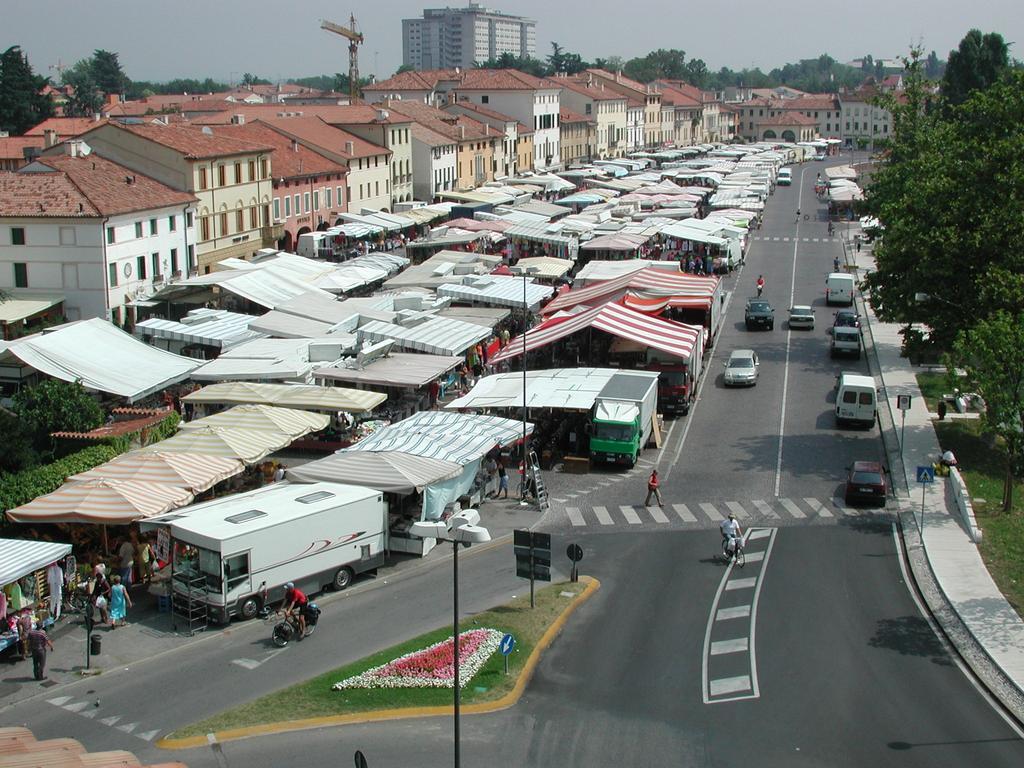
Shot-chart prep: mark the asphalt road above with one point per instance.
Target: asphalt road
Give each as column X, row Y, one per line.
column 815, row 654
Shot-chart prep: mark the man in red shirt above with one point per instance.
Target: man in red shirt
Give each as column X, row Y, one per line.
column 295, row 599
column 653, row 489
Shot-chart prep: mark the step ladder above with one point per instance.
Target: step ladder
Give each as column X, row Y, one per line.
column 538, row 483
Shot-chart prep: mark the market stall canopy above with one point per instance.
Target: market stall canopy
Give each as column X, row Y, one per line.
column 545, row 267
column 248, row 445
column 434, row 335
column 460, row 438
column 19, row 556
column 398, row 369
column 840, row 172
column 22, row 305
column 194, row 472
column 497, row 290
column 619, row 241
column 651, row 281
column 391, row 472
column 101, row 356
column 571, row 389
column 209, row 327
column 290, row 421
column 113, row 502
column 598, row 270
column 677, row 339
column 304, row 396
column 473, row 225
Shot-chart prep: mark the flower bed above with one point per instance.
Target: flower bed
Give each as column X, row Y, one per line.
column 432, row 667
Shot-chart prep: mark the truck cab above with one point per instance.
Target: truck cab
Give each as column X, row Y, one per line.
column 675, row 387
column 616, row 433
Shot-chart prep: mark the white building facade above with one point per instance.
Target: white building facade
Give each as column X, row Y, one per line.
column 460, row 37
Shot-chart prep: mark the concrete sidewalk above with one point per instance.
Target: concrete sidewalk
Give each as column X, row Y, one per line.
column 151, row 633
column 978, row 613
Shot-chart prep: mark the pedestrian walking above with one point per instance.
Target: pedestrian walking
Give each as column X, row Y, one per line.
column 99, row 592
column 38, row 643
column 653, row 489
column 55, row 581
column 24, row 627
column 502, row 480
column 120, row 602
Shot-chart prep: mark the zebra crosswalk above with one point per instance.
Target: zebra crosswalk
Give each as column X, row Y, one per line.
column 781, row 239
column 706, row 514
column 90, row 710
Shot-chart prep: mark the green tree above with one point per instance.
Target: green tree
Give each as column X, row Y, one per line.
column 610, row 64
column 405, row 68
column 978, row 62
column 55, row 406
column 991, row 355
column 662, row 64
column 107, row 73
column 249, row 79
column 86, row 99
column 16, row 452
column 933, row 67
column 697, row 73
column 22, row 105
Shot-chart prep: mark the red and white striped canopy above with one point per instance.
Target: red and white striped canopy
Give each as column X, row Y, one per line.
column 113, row 502
column 651, row 281
column 677, row 339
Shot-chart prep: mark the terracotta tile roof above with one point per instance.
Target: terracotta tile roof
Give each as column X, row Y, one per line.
column 290, row 158
column 427, row 136
column 568, row 116
column 191, row 141
column 425, row 80
column 153, row 105
column 43, row 195
column 456, row 127
column 500, row 80
column 676, row 98
column 335, row 114
column 819, row 101
column 13, row 147
column 144, row 418
column 482, row 110
column 314, row 132
column 619, row 79
column 788, row 118
column 104, row 183
column 65, row 126
column 593, row 91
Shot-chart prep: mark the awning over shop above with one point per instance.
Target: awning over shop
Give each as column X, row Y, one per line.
column 435, row 335
column 248, row 445
column 650, row 281
column 677, row 339
column 497, row 290
column 20, row 306
column 545, row 267
column 619, row 241
column 194, row 472
column 541, row 233
column 391, row 472
column 290, row 421
column 113, row 502
column 102, row 357
column 398, row 369
column 306, row 397
column 20, row 557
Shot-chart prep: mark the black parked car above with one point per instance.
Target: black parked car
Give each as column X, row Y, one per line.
column 846, row 318
column 759, row 314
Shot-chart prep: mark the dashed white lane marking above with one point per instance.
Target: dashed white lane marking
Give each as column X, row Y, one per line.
column 59, row 701
column 737, row 509
column 760, row 533
column 739, row 645
column 753, row 557
column 817, row 507
column 839, row 503
column 710, row 511
column 111, row 720
column 765, row 508
column 602, row 516
column 246, row 663
column 630, row 514
column 732, row 584
column 684, row 513
column 725, row 685
column 128, row 727
column 657, row 514
column 148, row 735
column 78, row 706
column 736, row 612
column 792, row 508
column 575, row 516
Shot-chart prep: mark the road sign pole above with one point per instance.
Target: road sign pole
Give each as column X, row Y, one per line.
column 920, row 525
column 532, row 604
column 903, row 432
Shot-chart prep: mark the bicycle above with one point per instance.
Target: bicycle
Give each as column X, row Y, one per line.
column 736, row 554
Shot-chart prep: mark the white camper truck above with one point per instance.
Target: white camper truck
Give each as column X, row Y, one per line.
column 243, row 547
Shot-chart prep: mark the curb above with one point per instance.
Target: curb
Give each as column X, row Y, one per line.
column 506, row 701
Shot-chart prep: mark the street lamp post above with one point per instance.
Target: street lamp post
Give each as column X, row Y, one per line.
column 525, row 272
column 461, row 529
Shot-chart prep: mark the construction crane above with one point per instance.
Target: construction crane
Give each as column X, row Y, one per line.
column 355, row 39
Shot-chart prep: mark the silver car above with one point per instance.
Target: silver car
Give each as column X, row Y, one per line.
column 801, row 316
column 741, row 369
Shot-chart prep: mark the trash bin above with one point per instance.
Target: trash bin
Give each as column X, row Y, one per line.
column 94, row 644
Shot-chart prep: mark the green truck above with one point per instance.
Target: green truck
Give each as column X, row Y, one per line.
column 623, row 417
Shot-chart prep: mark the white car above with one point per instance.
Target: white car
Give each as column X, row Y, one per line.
column 741, row 369
column 801, row 316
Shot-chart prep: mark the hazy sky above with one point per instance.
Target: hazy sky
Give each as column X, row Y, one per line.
column 159, row 40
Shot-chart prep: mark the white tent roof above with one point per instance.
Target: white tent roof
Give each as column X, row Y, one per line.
column 101, row 356
column 498, row 290
column 392, row 471
column 435, row 335
column 304, row 396
column 573, row 389
column 210, row 327
column 19, row 557
column 398, row 369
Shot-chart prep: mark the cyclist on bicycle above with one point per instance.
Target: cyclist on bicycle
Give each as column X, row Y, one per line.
column 760, row 285
column 296, row 600
column 731, row 534
column 798, row 214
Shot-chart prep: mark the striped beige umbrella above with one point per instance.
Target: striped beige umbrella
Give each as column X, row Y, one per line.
column 263, row 417
column 248, row 445
column 191, row 471
column 112, row 502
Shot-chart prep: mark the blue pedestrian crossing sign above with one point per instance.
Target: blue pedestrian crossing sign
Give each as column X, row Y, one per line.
column 926, row 474
column 507, row 644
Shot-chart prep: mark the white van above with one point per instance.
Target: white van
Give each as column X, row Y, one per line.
column 839, row 289
column 785, row 177
column 856, row 401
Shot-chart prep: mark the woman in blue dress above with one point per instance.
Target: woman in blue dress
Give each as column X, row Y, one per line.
column 120, row 602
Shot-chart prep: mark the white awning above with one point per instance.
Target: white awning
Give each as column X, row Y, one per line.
column 497, row 290
column 572, row 389
column 304, row 396
column 391, row 472
column 209, row 327
column 435, row 335
column 20, row 558
column 398, row 369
